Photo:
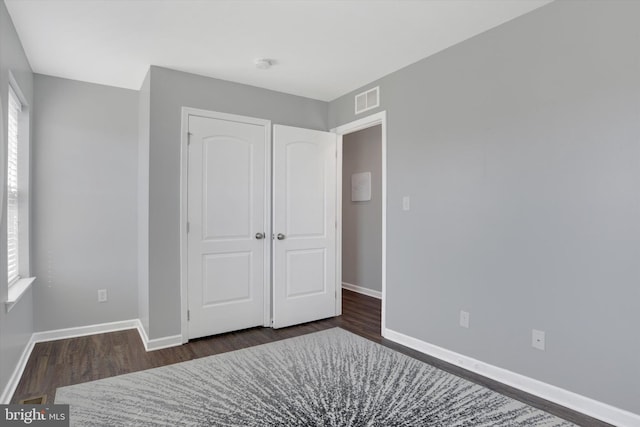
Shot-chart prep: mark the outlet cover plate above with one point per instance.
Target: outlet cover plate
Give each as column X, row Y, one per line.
column 538, row 339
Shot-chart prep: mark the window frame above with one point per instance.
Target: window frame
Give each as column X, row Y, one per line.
column 18, row 287
column 13, row 101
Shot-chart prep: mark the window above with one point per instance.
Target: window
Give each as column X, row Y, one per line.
column 18, row 269
column 15, row 108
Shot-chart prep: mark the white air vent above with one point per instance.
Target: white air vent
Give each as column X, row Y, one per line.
column 368, row 100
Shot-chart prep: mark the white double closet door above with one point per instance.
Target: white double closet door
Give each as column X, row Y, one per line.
column 261, row 242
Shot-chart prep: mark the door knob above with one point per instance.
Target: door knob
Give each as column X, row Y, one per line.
column 259, row 236
column 280, row 236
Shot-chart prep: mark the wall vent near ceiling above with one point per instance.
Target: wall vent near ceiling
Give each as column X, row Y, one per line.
column 368, row 100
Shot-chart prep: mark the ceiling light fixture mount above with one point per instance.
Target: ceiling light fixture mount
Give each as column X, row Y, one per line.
column 263, row 63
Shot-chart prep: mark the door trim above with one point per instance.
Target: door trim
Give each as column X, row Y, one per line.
column 360, row 124
column 184, row 185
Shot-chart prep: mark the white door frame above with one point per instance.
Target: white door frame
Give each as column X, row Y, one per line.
column 184, row 169
column 360, row 124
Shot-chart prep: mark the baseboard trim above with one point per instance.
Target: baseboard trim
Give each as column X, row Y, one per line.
column 157, row 343
column 81, row 331
column 14, row 380
column 593, row 408
column 361, row 290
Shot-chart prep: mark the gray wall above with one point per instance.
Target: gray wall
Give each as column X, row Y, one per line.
column 362, row 221
column 85, row 199
column 144, row 111
column 521, row 151
column 170, row 91
column 16, row 326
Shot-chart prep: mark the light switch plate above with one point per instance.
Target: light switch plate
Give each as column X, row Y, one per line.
column 406, row 203
column 464, row 319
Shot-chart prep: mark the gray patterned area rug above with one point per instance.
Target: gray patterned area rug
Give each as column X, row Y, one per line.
column 328, row 378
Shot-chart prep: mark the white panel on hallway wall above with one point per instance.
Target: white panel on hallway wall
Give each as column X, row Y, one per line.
column 361, row 187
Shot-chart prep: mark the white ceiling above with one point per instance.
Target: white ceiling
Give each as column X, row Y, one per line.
column 322, row 48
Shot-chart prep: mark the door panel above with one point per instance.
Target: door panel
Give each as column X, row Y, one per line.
column 228, row 180
column 306, row 274
column 305, row 195
column 226, row 208
column 226, row 278
column 304, row 213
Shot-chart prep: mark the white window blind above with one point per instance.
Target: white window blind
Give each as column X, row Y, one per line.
column 15, row 107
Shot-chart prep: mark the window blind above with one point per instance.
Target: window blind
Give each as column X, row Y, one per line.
column 15, row 107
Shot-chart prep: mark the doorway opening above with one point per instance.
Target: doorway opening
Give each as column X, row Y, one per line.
column 362, row 213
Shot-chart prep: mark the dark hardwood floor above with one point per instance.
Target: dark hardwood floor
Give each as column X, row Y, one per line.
column 76, row 360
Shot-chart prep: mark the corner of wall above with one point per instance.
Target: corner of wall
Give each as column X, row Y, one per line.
column 16, row 327
column 144, row 105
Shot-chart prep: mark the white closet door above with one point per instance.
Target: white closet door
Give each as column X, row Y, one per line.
column 304, row 225
column 227, row 199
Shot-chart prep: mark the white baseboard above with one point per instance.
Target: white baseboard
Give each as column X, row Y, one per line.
column 157, row 343
column 14, row 380
column 361, row 290
column 81, row 331
column 59, row 334
column 593, row 408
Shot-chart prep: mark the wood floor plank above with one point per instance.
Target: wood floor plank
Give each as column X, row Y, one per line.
column 72, row 361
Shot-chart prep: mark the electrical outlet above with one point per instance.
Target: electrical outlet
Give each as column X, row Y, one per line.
column 102, row 295
column 538, row 339
column 464, row 319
